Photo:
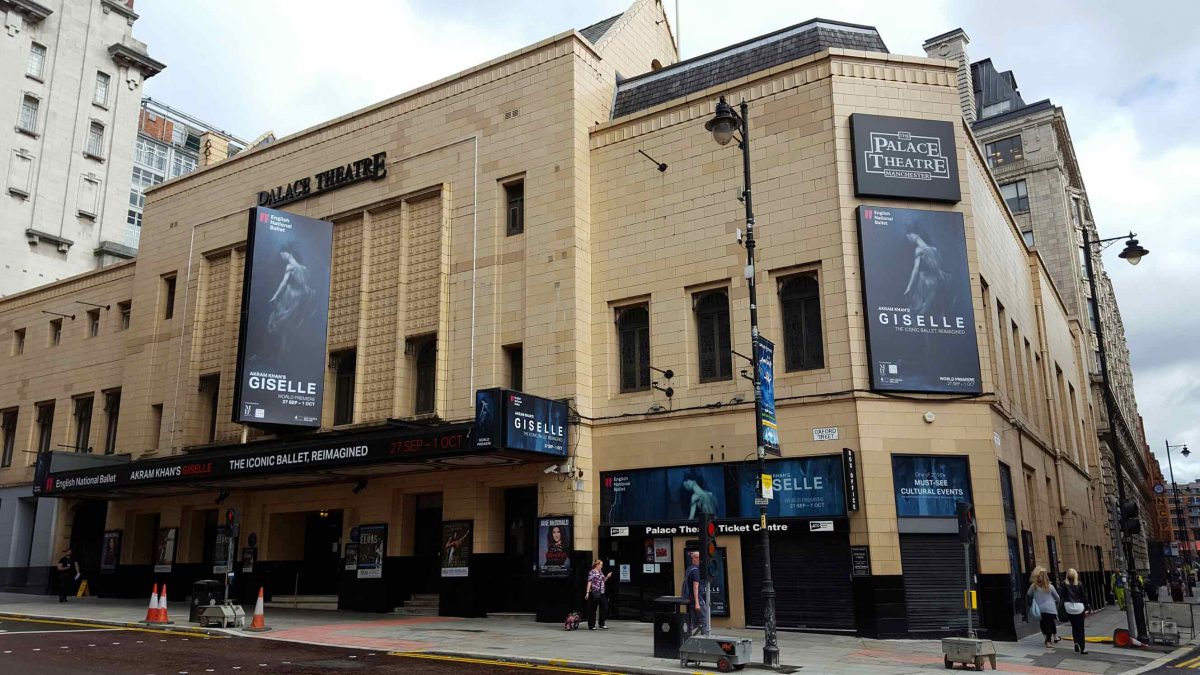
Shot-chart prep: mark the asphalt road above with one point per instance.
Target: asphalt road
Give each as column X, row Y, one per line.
column 1189, row 662
column 70, row 648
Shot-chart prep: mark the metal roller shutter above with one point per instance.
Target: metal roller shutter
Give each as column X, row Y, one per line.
column 934, row 576
column 813, row 589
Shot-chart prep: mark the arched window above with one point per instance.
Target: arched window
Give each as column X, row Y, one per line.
column 426, row 376
column 633, row 332
column 712, row 332
column 803, row 342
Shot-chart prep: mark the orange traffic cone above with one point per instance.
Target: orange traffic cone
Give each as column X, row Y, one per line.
column 258, row 624
column 152, row 611
column 162, row 607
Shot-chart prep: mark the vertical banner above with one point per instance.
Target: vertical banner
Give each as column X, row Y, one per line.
column 555, row 546
column 489, row 419
column 350, row 562
column 850, row 472
column 284, row 320
column 110, row 553
column 768, row 426
column 372, row 548
column 456, row 547
column 164, row 547
column 920, row 318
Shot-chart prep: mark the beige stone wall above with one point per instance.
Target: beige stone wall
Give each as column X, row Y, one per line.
column 639, row 38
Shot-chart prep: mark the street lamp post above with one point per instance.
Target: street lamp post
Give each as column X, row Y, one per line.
column 724, row 124
column 1133, row 253
column 1183, row 519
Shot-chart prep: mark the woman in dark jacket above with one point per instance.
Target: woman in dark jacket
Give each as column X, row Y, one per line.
column 1075, row 603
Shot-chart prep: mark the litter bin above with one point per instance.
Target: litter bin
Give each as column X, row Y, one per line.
column 204, row 593
column 668, row 629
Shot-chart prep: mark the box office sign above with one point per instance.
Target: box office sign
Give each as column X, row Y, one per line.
column 930, row 485
column 903, row 157
column 284, row 320
column 920, row 319
column 802, row 487
column 514, row 420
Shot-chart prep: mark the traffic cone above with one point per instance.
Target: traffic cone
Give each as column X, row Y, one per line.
column 152, row 611
column 162, row 607
column 258, row 624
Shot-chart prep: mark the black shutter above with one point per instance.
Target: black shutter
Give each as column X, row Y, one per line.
column 813, row 589
column 934, row 581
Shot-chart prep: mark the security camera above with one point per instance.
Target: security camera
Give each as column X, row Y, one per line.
column 553, row 468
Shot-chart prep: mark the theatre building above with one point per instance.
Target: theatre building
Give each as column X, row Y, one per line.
column 440, row 353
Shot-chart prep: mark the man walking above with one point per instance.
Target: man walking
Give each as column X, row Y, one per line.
column 697, row 617
column 67, row 569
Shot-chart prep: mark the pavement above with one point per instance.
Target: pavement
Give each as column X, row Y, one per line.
column 625, row 648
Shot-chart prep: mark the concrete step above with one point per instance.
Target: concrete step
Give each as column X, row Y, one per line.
column 426, row 596
column 415, row 611
column 324, row 602
column 513, row 616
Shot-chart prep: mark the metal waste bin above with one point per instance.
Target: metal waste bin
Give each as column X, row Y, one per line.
column 204, row 593
column 668, row 628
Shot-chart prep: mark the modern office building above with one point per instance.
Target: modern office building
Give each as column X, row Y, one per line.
column 1029, row 151
column 530, row 350
column 72, row 74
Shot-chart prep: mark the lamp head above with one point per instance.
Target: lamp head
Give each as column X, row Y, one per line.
column 723, row 123
column 1185, row 451
column 1134, row 252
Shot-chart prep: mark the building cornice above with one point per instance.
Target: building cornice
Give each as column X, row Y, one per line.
column 125, row 55
column 32, row 11
column 119, row 8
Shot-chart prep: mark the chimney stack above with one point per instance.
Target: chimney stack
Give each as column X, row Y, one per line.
column 952, row 46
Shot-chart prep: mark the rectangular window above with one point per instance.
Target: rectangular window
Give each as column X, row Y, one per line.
column 45, row 426
column 100, row 96
column 210, row 391
column 426, row 370
column 1021, row 383
column 633, row 347
column 181, row 164
column 168, row 297
column 1091, row 310
column 93, row 322
column 150, row 154
column 1005, row 365
column 178, row 135
column 515, row 356
column 1016, row 196
column 8, row 426
column 1004, row 151
column 29, row 114
column 345, row 364
column 192, row 142
column 95, row 139
column 83, row 424
column 142, row 179
column 125, row 308
column 712, row 332
column 55, row 332
column 156, row 412
column 514, row 199
column 1027, row 235
column 995, row 109
column 18, row 346
column 803, row 340
column 112, row 414
column 35, row 67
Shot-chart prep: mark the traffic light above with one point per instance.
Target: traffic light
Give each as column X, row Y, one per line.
column 233, row 521
column 1130, row 524
column 967, row 528
column 708, row 546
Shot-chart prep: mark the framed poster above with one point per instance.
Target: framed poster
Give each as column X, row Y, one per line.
column 164, row 549
column 224, row 551
column 555, row 545
column 350, row 563
column 110, row 552
column 930, row 485
column 456, row 547
column 917, row 292
column 249, row 557
column 372, row 548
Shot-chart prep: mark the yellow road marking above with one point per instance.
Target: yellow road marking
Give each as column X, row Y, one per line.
column 1190, row 663
column 508, row 664
column 82, row 624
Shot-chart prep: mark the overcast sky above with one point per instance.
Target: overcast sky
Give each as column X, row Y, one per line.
column 1126, row 73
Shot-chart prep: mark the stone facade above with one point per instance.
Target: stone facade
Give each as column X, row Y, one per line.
column 427, row 254
column 74, row 77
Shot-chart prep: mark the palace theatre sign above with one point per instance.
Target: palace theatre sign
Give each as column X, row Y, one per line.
column 367, row 168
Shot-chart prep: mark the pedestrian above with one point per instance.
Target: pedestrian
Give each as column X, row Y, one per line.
column 696, row 603
column 1118, row 589
column 1042, row 593
column 594, row 595
column 1075, row 603
column 68, row 569
column 1176, row 588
